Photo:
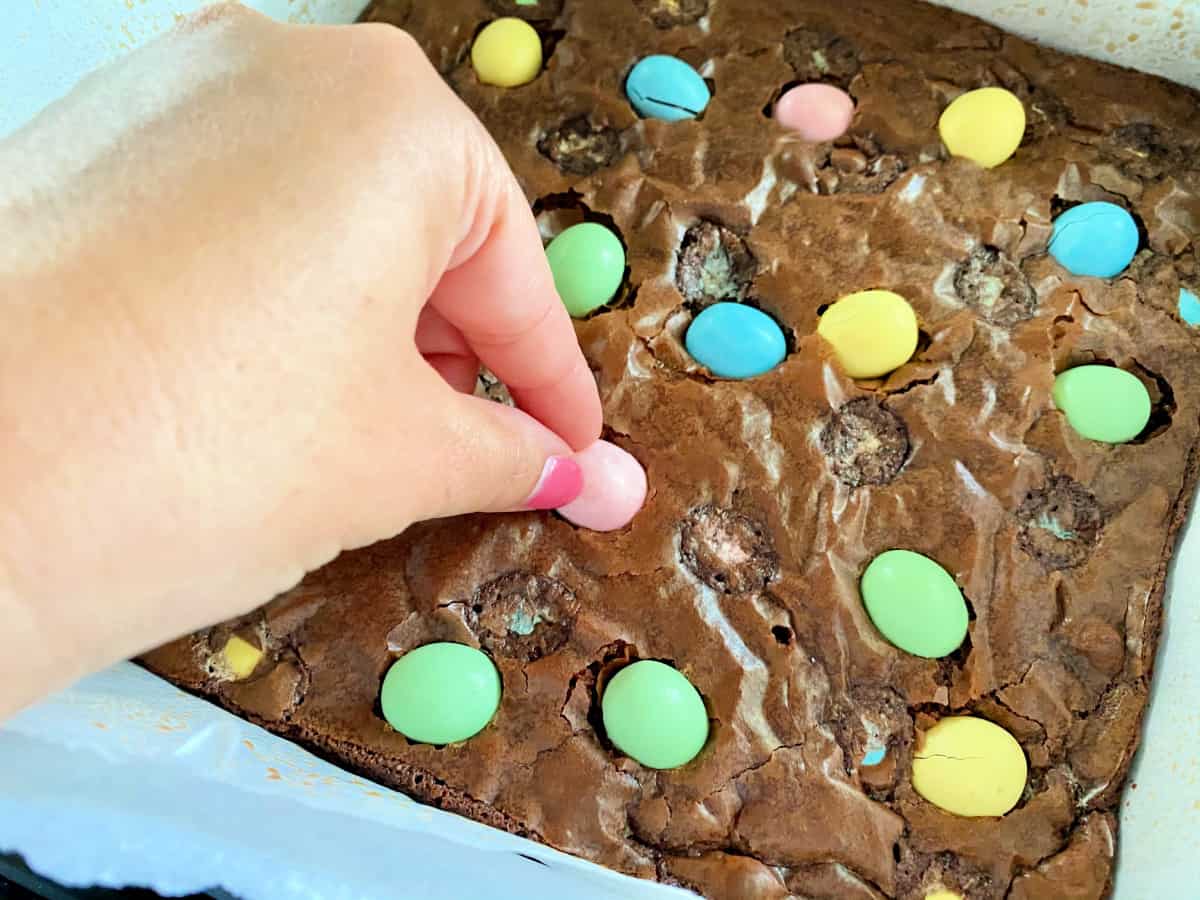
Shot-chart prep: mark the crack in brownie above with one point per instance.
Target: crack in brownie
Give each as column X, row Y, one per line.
column 769, row 496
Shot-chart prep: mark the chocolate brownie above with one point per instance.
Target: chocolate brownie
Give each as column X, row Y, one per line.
column 769, row 496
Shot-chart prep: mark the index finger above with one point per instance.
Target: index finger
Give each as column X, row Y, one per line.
column 502, row 299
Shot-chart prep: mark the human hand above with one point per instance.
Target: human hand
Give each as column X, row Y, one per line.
column 248, row 276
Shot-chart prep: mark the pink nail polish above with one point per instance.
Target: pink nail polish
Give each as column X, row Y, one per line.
column 561, row 482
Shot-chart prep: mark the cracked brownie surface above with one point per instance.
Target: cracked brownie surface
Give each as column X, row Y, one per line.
column 768, row 497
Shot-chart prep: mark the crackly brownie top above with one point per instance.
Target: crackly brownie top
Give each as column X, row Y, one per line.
column 769, row 496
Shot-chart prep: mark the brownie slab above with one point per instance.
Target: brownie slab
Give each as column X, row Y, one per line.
column 768, row 497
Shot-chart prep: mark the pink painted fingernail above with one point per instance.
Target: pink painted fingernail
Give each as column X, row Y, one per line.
column 561, row 482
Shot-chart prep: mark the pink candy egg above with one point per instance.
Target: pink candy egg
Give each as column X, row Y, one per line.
column 614, row 488
column 817, row 112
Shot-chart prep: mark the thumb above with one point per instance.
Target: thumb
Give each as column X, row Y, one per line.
column 488, row 457
column 483, row 456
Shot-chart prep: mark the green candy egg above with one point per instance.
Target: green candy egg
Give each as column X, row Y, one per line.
column 440, row 693
column 652, row 713
column 914, row 603
column 588, row 263
column 1103, row 403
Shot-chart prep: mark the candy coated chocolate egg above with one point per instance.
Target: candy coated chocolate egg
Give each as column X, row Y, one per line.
column 1098, row 239
column 914, row 603
column 970, row 767
column 240, row 657
column 943, row 895
column 440, row 693
column 507, row 53
column 985, row 125
column 588, row 263
column 652, row 713
column 614, row 488
column 872, row 332
column 817, row 112
column 735, row 341
column 1189, row 307
column 665, row 87
column 1103, row 403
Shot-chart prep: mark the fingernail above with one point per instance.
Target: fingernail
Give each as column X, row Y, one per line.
column 561, row 482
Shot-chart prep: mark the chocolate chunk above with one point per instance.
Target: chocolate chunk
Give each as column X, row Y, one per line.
column 541, row 11
column 817, row 54
column 995, row 287
column 727, row 550
column 714, row 264
column 670, row 13
column 579, row 147
column 865, row 168
column 865, row 443
column 1060, row 523
column 523, row 616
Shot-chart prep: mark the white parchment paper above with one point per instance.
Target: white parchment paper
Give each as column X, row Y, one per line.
column 126, row 780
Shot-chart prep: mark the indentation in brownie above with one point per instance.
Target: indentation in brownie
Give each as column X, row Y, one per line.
column 995, row 287
column 859, row 165
column 1060, row 523
column 670, row 13
column 920, row 873
column 578, row 146
column 819, row 54
column 728, row 551
column 523, row 616
column 865, row 443
column 541, row 11
column 713, row 264
column 874, row 717
column 1162, row 403
column 581, row 707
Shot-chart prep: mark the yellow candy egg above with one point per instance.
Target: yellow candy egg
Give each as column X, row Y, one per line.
column 240, row 657
column 984, row 125
column 943, row 895
column 970, row 767
column 872, row 332
column 508, row 53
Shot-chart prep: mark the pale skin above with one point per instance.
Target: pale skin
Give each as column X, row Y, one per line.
column 246, row 279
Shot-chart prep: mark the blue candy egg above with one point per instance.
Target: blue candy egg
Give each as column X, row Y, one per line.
column 736, row 341
column 664, row 87
column 1189, row 307
column 1097, row 239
